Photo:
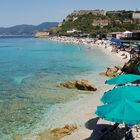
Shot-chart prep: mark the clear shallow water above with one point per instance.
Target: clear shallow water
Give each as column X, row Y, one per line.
column 30, row 72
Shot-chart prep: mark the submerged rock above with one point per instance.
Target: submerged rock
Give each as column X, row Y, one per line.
column 81, row 85
column 17, row 137
column 112, row 71
column 45, row 135
column 56, row 134
column 66, row 130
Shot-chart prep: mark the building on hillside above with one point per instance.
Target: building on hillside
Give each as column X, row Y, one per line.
column 127, row 21
column 42, row 34
column 137, row 21
column 127, row 34
column 136, row 15
column 121, row 13
column 136, row 34
column 71, row 31
column 75, row 18
column 116, row 35
column 113, row 13
column 101, row 22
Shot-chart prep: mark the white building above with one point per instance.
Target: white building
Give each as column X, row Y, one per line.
column 71, row 31
column 136, row 15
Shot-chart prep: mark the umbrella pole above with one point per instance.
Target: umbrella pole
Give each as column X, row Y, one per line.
column 128, row 133
column 126, row 130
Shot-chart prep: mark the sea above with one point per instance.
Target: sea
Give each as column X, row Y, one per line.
column 31, row 71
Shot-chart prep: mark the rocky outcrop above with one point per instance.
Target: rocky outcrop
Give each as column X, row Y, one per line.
column 132, row 66
column 81, row 85
column 112, row 71
column 66, row 130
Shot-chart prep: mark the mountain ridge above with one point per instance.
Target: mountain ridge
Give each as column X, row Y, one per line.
column 25, row 29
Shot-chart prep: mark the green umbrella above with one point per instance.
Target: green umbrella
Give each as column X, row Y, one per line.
column 131, row 93
column 123, row 112
column 123, row 79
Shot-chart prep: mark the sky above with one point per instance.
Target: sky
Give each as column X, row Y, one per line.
column 15, row 12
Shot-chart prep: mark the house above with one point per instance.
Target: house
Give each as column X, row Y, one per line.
column 116, row 35
column 136, row 34
column 127, row 34
column 136, row 15
column 72, row 31
column 133, row 35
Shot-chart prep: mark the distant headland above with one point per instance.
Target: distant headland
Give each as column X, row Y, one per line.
column 26, row 30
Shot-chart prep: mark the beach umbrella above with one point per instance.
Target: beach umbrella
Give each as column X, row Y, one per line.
column 123, row 79
column 122, row 112
column 131, row 93
column 116, row 41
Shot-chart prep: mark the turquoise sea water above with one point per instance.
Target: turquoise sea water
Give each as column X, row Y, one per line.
column 30, row 72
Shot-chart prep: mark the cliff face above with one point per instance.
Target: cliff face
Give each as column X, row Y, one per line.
column 41, row 34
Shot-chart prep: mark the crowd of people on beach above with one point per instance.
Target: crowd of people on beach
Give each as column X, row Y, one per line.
column 94, row 42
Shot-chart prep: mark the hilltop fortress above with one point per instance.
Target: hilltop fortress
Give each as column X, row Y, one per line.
column 93, row 22
column 128, row 14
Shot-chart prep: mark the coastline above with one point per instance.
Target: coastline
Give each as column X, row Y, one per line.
column 103, row 45
column 87, row 107
column 45, row 108
column 84, row 131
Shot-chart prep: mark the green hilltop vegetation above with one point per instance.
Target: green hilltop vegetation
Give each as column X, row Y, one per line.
column 94, row 24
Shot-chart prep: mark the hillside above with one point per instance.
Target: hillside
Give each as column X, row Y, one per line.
column 95, row 22
column 27, row 29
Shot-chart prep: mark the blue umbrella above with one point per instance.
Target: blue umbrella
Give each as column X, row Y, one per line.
column 123, row 79
column 116, row 41
column 123, row 112
column 131, row 93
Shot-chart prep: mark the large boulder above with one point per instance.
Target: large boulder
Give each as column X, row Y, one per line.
column 81, row 85
column 132, row 66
